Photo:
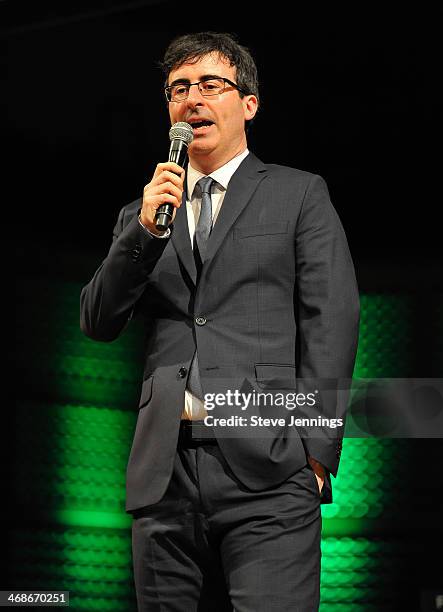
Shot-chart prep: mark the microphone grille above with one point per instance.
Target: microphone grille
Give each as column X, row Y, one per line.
column 183, row 131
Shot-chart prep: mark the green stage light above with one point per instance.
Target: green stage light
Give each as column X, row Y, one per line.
column 80, row 431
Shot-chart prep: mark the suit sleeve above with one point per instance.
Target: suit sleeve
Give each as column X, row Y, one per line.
column 327, row 310
column 108, row 300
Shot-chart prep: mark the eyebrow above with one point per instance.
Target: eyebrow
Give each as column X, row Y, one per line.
column 205, row 77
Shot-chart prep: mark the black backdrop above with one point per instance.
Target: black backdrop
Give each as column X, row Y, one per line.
column 352, row 97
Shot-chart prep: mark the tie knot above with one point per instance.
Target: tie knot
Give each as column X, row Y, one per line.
column 205, row 184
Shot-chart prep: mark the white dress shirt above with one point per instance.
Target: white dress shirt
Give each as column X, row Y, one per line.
column 194, row 408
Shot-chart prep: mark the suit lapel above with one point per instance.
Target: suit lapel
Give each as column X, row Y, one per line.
column 182, row 242
column 241, row 188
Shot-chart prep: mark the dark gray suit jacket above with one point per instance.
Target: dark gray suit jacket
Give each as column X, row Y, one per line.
column 279, row 304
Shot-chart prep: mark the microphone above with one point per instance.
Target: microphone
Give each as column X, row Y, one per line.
column 181, row 136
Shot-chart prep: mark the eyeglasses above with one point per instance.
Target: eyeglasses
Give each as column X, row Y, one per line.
column 207, row 88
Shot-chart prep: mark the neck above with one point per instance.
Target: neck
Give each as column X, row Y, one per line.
column 210, row 162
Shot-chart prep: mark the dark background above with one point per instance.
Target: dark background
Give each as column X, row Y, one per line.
column 352, row 96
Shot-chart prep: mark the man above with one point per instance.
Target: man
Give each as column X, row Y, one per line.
column 251, row 289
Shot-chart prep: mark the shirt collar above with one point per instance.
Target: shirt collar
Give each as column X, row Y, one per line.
column 222, row 175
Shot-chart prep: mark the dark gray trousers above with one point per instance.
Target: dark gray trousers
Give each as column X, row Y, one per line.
column 212, row 545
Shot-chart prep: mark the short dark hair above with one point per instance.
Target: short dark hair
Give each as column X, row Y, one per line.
column 191, row 47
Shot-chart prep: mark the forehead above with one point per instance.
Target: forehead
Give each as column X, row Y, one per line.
column 212, row 64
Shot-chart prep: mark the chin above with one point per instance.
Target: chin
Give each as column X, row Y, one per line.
column 200, row 148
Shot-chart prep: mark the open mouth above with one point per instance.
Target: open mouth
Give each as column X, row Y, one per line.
column 201, row 126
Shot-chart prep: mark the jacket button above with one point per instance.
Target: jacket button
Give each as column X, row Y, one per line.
column 136, row 252
column 182, row 372
column 200, row 320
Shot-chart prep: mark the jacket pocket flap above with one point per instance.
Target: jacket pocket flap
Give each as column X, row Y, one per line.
column 146, row 393
column 275, row 376
column 261, row 230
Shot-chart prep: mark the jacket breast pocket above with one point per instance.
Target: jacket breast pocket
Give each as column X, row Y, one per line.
column 261, row 230
column 146, row 392
column 275, row 376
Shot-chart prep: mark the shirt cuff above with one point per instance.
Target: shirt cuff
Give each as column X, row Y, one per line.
column 165, row 234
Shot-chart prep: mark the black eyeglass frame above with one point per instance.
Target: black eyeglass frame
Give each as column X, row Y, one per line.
column 189, row 85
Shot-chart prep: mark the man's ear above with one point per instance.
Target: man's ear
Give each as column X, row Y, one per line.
column 250, row 105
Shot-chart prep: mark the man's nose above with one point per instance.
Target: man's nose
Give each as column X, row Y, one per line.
column 194, row 97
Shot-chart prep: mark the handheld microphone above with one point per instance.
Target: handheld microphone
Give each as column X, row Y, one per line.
column 181, row 136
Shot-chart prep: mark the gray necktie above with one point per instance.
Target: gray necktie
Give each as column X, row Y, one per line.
column 202, row 232
column 204, row 224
